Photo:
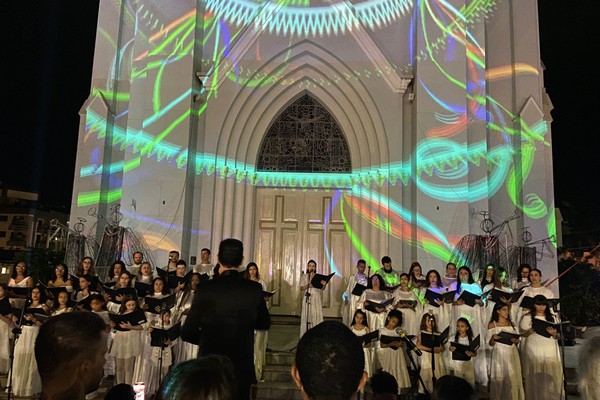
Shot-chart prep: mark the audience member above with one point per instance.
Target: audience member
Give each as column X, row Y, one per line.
column 450, row 387
column 217, row 380
column 384, row 386
column 121, row 391
column 329, row 363
column 69, row 351
column 589, row 367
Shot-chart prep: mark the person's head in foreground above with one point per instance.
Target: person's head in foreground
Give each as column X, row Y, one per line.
column 208, row 377
column 589, row 369
column 69, row 351
column 450, row 387
column 329, row 363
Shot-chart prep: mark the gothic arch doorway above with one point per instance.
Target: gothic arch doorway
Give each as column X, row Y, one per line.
column 296, row 225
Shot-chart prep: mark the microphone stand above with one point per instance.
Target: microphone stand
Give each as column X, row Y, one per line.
column 308, row 294
column 16, row 333
column 433, row 378
column 417, row 370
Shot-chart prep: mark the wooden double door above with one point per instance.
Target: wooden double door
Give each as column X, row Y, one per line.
column 293, row 227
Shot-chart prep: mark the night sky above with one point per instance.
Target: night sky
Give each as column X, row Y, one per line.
column 49, row 49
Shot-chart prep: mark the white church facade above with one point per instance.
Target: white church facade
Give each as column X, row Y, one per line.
column 329, row 130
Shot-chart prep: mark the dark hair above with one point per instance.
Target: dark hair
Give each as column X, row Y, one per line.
column 458, row 281
column 125, row 272
column 181, row 262
column 217, row 380
column 361, row 261
column 14, row 270
column 450, row 387
column 251, row 264
column 423, row 325
column 165, row 289
column 498, row 272
column 65, row 274
column 438, row 278
column 382, row 284
column 121, row 391
column 330, row 361
column 216, row 269
column 385, row 260
column 484, row 280
column 469, row 329
column 382, row 382
column 231, row 253
column 138, row 252
column 539, row 300
column 79, row 268
column 58, row 292
column 205, row 249
column 64, row 338
column 520, row 270
column 449, row 264
column 124, row 301
column 43, row 297
column 111, row 270
column 536, row 270
column 394, row 313
column 364, row 314
column 495, row 317
column 99, row 297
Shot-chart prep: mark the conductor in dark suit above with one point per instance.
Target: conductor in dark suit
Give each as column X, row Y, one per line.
column 225, row 312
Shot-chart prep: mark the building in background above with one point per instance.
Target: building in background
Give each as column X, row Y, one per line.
column 327, row 130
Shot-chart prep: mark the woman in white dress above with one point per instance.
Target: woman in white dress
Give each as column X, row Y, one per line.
column 534, row 288
column 143, row 371
column 127, row 343
column 475, row 315
column 416, row 278
column 6, row 325
column 506, row 379
column 522, row 279
column 260, row 336
column 360, row 327
column 375, row 292
column 61, row 304
column 407, row 301
column 542, row 366
column 26, row 380
column 441, row 313
column 390, row 356
column 19, row 278
column 183, row 350
column 428, row 325
column 312, row 299
column 463, row 368
column 61, row 278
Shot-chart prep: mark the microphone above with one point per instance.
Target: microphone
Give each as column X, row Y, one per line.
column 409, row 343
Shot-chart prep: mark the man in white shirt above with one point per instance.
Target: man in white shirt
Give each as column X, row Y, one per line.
column 138, row 258
column 358, row 277
column 205, row 266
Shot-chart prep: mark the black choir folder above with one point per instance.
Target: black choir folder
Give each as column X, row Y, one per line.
column 432, row 296
column 159, row 336
column 267, row 293
column 172, row 279
column 496, row 296
column 372, row 305
column 143, row 289
column 316, row 280
column 156, row 305
column 506, row 337
column 527, row 302
column 408, row 303
column 367, row 338
column 38, row 313
column 134, row 318
column 389, row 339
column 460, row 351
column 469, row 298
column 358, row 289
column 541, row 326
column 113, row 293
column 434, row 339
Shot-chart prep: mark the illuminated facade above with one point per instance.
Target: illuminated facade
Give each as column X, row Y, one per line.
column 436, row 110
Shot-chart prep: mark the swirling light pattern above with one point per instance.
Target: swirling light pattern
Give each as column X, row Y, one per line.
column 441, row 159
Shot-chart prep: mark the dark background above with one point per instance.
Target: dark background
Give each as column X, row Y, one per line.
column 47, row 68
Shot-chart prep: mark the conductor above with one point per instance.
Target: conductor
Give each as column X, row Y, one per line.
column 225, row 312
